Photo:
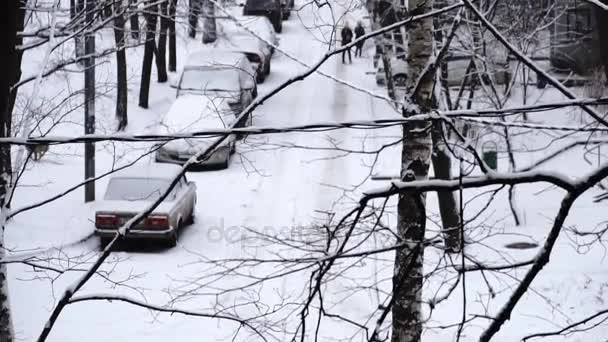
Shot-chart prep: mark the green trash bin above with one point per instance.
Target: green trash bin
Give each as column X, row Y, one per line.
column 489, row 153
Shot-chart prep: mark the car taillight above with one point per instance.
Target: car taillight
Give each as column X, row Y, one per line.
column 106, row 220
column 159, row 221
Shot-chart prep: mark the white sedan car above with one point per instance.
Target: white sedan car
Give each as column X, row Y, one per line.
column 191, row 113
column 133, row 190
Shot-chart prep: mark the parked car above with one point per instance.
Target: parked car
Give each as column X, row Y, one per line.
column 262, row 27
column 131, row 191
column 398, row 69
column 214, row 88
column 192, row 113
column 255, row 50
column 286, row 6
column 457, row 69
column 219, row 73
column 268, row 8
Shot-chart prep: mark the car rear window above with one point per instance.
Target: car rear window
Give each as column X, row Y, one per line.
column 137, row 189
column 210, row 79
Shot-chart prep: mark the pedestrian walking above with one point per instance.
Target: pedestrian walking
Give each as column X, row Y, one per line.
column 347, row 37
column 359, row 32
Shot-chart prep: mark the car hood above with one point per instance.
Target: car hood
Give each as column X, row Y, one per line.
column 191, row 113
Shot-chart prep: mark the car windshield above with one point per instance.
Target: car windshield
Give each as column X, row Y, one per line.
column 209, row 79
column 137, row 189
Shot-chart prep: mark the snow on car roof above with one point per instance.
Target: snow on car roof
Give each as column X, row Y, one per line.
column 213, row 57
column 154, row 170
column 192, row 112
column 242, row 41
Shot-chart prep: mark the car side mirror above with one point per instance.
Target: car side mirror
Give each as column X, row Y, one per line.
column 241, row 5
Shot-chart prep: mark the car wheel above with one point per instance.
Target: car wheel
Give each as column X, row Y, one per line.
column 400, row 80
column 278, row 24
column 104, row 242
column 226, row 162
column 267, row 71
column 254, row 93
column 190, row 219
column 541, row 83
column 172, row 241
column 260, row 78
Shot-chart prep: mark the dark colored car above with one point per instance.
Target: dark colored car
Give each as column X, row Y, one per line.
column 287, row 6
column 269, row 8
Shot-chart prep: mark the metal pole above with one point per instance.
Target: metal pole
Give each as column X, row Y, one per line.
column 89, row 105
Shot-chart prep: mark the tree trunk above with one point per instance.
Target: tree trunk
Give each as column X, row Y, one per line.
column 72, row 9
column 209, row 27
column 601, row 17
column 134, row 19
column 150, row 45
column 89, row 103
column 448, row 206
column 442, row 163
column 172, row 38
column 388, row 74
column 194, row 11
column 415, row 160
column 106, row 11
column 121, row 66
column 15, row 11
column 161, row 52
column 78, row 40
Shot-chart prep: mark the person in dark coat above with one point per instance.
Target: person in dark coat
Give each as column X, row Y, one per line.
column 359, row 32
column 347, row 37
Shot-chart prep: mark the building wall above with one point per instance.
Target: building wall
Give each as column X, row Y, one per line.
column 574, row 37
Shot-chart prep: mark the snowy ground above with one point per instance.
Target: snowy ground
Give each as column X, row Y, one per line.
column 284, row 184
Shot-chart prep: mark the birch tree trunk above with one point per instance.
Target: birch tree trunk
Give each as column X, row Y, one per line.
column 415, row 160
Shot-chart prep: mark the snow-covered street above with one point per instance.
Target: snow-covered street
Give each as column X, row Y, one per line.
column 276, row 184
column 278, row 200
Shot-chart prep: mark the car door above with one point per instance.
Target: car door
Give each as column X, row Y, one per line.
column 190, row 195
column 182, row 201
